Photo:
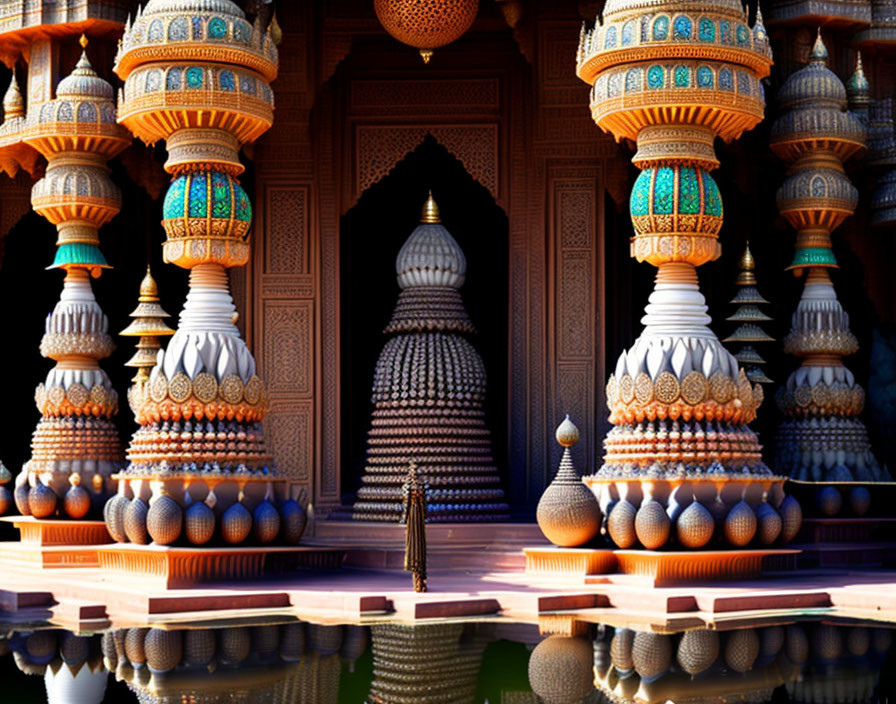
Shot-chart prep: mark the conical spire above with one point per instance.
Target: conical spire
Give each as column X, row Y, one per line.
column 430, row 212
column 83, row 81
column 819, row 53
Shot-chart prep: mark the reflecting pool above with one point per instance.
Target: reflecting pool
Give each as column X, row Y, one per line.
column 560, row 660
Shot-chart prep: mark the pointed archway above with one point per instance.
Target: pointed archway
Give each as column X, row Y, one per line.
column 371, row 234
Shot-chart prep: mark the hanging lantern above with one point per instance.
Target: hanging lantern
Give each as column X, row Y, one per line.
column 426, row 24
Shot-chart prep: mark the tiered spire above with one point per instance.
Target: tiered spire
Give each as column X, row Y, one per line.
column 748, row 315
column 673, row 77
column 149, row 325
column 429, row 392
column 75, row 448
column 822, row 437
column 197, row 75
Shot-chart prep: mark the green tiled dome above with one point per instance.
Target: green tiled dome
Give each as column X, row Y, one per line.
column 206, row 204
column 675, row 190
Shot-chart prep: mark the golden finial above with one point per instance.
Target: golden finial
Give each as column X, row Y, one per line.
column 274, row 29
column 426, row 55
column 430, row 213
column 83, row 41
column 149, row 290
column 746, row 277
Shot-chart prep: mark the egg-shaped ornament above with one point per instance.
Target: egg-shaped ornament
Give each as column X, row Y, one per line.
column 265, row 522
column 113, row 515
column 164, row 520
column 292, row 521
column 426, row 24
column 20, row 496
column 698, row 650
column 163, row 649
column 76, row 502
column 236, row 524
column 42, row 500
column 199, row 523
column 135, row 521
column 621, row 524
column 199, row 647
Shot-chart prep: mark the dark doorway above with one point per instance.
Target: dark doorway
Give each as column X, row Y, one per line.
column 372, row 233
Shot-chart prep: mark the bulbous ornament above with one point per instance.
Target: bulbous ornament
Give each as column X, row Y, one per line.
column 199, row 647
column 829, row 501
column 163, row 649
column 769, row 523
column 41, row 646
column 264, row 640
column 292, row 642
column 164, row 520
column 134, row 646
column 265, row 522
column 292, row 521
column 6, row 500
column 651, row 654
column 20, row 496
column 695, row 526
column 74, row 649
column 858, row 640
column 42, row 500
column 652, row 524
column 771, row 640
column 426, row 24
column 76, row 502
column 742, row 649
column 568, row 513
column 740, row 524
column 791, row 518
column 135, row 521
column 827, row 642
column 621, row 649
column 859, row 500
column 233, row 645
column 324, row 639
column 236, row 524
column 560, row 669
column 110, row 655
column 621, row 524
column 199, row 523
column 698, row 650
column 796, row 645
column 113, row 515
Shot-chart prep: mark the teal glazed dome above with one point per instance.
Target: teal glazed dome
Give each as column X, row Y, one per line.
column 206, row 204
column 676, row 191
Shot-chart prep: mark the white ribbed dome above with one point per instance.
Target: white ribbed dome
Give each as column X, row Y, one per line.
column 431, row 257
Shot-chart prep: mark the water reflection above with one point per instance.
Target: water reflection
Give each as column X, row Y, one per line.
column 442, row 663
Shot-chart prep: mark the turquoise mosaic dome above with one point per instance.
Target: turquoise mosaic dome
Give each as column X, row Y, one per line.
column 663, row 195
column 206, row 204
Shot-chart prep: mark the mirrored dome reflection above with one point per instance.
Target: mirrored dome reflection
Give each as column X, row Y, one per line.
column 294, row 662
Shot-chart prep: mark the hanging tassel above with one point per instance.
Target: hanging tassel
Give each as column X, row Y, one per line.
column 415, row 528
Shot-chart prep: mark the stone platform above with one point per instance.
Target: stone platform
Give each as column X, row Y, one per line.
column 54, row 543
column 660, row 568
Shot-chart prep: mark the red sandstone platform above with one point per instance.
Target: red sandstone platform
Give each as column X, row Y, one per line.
column 659, row 568
column 53, row 543
column 178, row 567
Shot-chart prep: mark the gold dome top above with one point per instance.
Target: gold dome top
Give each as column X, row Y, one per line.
column 747, row 263
column 430, row 214
column 149, row 290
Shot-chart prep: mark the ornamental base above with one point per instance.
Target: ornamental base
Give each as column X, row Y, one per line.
column 659, row 568
column 663, row 568
column 176, row 568
column 56, row 532
column 569, row 561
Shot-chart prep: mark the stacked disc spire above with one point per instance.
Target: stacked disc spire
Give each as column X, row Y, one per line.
column 680, row 461
column 429, row 393
column 749, row 318
column 822, row 437
column 197, row 75
column 75, row 447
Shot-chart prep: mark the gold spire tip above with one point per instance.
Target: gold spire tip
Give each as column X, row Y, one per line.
column 747, row 263
column 83, row 41
column 430, row 211
column 148, row 287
